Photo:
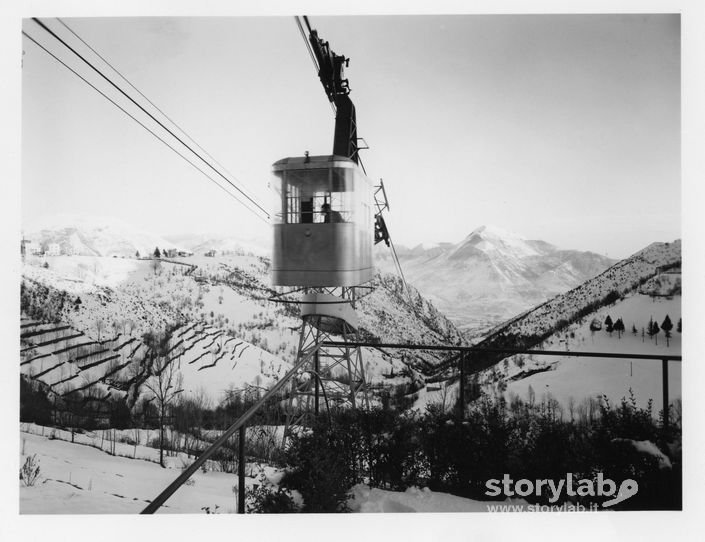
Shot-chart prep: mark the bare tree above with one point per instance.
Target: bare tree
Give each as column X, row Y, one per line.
column 99, row 327
column 165, row 383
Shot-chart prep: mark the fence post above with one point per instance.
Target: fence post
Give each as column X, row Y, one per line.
column 317, row 379
column 461, row 390
column 241, row 473
column 664, row 370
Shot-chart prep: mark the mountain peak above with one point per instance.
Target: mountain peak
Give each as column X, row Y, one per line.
column 490, row 231
column 493, row 239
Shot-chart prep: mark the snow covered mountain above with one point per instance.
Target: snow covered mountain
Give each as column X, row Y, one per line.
column 493, row 275
column 96, row 236
column 643, row 288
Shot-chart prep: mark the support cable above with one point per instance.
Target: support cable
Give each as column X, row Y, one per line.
column 310, row 51
column 53, row 34
column 308, row 45
column 141, row 124
column 186, row 474
column 173, row 122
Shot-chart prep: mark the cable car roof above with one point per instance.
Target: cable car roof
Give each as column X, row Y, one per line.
column 313, row 162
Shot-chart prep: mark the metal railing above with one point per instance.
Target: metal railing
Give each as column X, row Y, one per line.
column 230, row 431
column 239, row 425
column 465, row 351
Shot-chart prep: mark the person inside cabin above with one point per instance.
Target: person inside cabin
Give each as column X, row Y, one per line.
column 330, row 216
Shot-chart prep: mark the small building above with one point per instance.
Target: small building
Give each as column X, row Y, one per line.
column 53, row 249
column 31, row 248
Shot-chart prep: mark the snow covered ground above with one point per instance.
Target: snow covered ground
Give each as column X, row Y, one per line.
column 578, row 378
column 570, row 380
column 80, row 479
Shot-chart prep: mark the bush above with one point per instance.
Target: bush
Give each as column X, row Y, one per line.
column 264, row 498
column 35, row 406
column 322, row 470
column 30, row 470
column 446, row 453
column 120, row 416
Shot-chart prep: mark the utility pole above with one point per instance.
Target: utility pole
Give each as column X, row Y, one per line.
column 241, row 472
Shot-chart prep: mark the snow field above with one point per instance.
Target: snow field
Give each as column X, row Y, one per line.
column 78, row 479
column 578, row 378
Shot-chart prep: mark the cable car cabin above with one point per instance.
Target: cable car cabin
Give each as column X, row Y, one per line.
column 323, row 230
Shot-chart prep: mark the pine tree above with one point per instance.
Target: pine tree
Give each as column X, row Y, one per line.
column 137, row 254
column 609, row 325
column 634, row 331
column 157, row 254
column 653, row 329
column 667, row 326
column 619, row 327
column 679, row 327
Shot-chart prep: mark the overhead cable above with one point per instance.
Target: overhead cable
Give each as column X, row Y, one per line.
column 58, row 38
column 141, row 124
column 172, row 121
column 310, row 51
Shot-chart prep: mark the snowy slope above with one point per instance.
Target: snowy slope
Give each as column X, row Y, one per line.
column 574, row 381
column 79, row 479
column 622, row 278
column 238, row 338
column 578, row 378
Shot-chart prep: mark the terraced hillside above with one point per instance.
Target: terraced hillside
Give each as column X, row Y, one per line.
column 225, row 331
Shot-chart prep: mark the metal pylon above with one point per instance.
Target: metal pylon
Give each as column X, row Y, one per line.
column 334, row 377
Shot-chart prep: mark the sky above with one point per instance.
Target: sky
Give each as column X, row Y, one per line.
column 564, row 128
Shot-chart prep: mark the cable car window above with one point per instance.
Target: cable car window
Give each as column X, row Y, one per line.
column 324, row 195
column 292, row 203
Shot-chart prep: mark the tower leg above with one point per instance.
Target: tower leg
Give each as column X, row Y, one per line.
column 337, row 373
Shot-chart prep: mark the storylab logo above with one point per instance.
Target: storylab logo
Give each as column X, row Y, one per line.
column 602, row 487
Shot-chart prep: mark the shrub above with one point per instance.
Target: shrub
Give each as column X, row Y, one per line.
column 30, row 470
column 322, row 470
column 120, row 417
column 264, row 498
column 35, row 405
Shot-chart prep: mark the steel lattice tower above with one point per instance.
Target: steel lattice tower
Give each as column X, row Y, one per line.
column 334, row 377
